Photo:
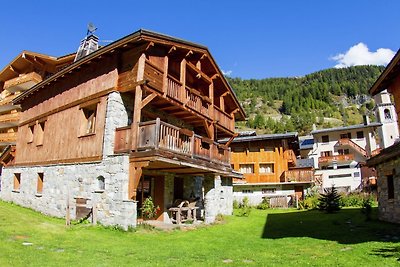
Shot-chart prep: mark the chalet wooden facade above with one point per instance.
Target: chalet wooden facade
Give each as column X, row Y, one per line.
column 387, row 162
column 270, row 167
column 22, row 73
column 139, row 117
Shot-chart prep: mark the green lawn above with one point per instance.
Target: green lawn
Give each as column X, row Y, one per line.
column 266, row 238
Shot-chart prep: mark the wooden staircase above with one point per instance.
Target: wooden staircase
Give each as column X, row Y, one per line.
column 346, row 142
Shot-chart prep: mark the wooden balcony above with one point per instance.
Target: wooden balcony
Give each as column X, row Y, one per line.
column 337, row 158
column 190, row 98
column 346, row 142
column 159, row 135
column 22, row 82
column 298, row 176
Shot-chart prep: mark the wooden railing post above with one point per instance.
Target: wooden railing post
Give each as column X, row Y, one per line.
column 157, row 134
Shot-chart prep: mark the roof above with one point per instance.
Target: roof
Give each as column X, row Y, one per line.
column 386, row 78
column 385, row 155
column 262, row 137
column 346, row 128
column 21, row 61
column 133, row 37
column 307, row 143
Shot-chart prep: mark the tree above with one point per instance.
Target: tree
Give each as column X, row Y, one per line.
column 330, row 201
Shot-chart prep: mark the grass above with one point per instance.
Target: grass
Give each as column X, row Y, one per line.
column 265, row 238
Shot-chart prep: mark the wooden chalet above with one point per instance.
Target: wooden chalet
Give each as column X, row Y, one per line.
column 140, row 116
column 23, row 72
column 270, row 167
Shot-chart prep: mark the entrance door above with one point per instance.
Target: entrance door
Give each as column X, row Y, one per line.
column 151, row 186
column 299, row 192
column 178, row 188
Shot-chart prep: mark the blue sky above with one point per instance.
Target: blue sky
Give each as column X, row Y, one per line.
column 248, row 39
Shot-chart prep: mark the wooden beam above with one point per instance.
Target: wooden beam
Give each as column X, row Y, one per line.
column 215, row 76
column 131, row 86
column 137, row 108
column 182, row 79
column 189, row 53
column 171, row 50
column 230, row 140
column 135, row 173
column 151, row 44
column 148, row 99
column 15, row 70
column 209, row 129
column 165, row 75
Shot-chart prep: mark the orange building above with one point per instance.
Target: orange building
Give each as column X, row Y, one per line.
column 270, row 167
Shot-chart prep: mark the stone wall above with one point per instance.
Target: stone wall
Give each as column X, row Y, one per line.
column 62, row 184
column 389, row 209
column 218, row 198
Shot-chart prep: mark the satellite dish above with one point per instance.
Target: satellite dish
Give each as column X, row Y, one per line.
column 91, row 28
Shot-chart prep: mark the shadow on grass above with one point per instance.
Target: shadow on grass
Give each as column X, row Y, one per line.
column 348, row 226
column 388, row 252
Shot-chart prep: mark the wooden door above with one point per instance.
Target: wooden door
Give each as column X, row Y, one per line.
column 178, row 188
column 299, row 192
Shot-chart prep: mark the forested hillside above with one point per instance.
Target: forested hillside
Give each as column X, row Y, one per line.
column 328, row 98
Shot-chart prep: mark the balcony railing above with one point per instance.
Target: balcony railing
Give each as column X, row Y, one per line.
column 337, row 158
column 298, row 175
column 224, row 119
column 353, row 145
column 8, row 137
column 154, row 135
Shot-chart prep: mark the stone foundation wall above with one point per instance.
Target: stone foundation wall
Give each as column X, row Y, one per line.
column 62, row 184
column 389, row 209
column 218, row 198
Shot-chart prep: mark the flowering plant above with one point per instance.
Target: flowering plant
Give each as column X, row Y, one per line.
column 149, row 210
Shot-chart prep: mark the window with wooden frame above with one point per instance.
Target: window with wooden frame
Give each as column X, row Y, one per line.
column 17, row 182
column 40, row 132
column 360, row 135
column 89, row 114
column 246, row 168
column 39, row 187
column 266, row 168
column 325, row 139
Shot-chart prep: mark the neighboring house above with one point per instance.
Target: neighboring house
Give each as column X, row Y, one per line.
column 387, row 162
column 139, row 117
column 340, row 154
column 23, row 72
column 269, row 167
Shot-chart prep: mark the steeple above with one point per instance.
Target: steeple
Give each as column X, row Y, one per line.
column 386, row 114
column 89, row 44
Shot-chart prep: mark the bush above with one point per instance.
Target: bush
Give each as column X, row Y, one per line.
column 244, row 208
column 236, row 204
column 309, row 203
column 329, row 201
column 367, row 208
column 352, row 200
column 264, row 204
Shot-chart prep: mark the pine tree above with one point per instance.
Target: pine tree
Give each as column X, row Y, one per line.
column 330, row 201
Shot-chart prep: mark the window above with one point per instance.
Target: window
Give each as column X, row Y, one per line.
column 101, row 184
column 238, row 149
column 268, row 190
column 345, row 136
column 387, row 114
column 390, row 186
column 357, row 174
column 39, row 188
column 247, row 191
column 269, row 149
column 345, row 175
column 344, row 151
column 360, row 135
column 246, row 168
column 89, row 119
column 325, row 139
column 266, row 168
column 40, row 134
column 17, row 181
column 326, row 153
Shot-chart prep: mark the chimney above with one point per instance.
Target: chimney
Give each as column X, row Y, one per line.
column 366, row 119
column 88, row 45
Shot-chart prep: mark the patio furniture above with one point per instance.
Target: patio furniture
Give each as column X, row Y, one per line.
column 184, row 211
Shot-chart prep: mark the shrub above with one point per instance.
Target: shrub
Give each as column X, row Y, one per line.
column 330, row 200
column 309, row 203
column 264, row 204
column 367, row 208
column 244, row 208
column 352, row 200
column 236, row 204
column 149, row 210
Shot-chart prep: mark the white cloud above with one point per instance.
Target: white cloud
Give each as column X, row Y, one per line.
column 227, row 73
column 359, row 54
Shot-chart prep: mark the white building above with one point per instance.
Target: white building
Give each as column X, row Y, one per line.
column 386, row 114
column 339, row 154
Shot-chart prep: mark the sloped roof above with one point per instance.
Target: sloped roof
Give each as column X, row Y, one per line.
column 391, row 71
column 134, row 37
column 346, row 128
